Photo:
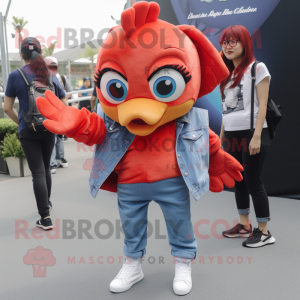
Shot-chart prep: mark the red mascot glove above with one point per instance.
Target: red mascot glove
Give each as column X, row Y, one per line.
column 223, row 168
column 81, row 125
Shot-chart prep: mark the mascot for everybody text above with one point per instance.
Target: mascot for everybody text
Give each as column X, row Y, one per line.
column 151, row 144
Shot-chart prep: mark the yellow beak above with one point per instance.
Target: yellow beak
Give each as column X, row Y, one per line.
column 150, row 111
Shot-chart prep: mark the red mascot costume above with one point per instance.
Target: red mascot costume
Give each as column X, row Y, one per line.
column 151, row 144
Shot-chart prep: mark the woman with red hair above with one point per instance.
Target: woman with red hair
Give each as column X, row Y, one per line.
column 249, row 148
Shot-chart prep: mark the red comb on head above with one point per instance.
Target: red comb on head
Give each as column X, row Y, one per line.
column 141, row 13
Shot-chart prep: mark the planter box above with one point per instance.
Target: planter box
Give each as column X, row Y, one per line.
column 3, row 166
column 18, row 167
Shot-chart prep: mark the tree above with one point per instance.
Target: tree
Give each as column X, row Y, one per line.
column 48, row 51
column 90, row 54
column 19, row 21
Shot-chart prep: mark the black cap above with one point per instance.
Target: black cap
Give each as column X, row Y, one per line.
column 29, row 45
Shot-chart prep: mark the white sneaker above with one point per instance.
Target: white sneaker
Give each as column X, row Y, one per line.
column 130, row 274
column 64, row 163
column 182, row 283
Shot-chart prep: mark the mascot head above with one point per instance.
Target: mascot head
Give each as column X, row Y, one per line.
column 150, row 72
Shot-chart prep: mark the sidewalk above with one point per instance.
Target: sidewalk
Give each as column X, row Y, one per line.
column 87, row 243
column 4, row 177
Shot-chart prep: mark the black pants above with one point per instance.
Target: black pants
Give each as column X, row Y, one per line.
column 38, row 147
column 85, row 103
column 237, row 143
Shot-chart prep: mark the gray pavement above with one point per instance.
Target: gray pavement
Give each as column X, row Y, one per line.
column 82, row 268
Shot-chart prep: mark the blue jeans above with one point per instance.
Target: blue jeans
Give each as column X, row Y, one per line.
column 58, row 151
column 172, row 195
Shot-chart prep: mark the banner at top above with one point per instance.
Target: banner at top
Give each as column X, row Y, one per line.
column 217, row 15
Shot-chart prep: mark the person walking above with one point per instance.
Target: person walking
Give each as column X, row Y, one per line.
column 250, row 149
column 86, row 85
column 37, row 145
column 58, row 152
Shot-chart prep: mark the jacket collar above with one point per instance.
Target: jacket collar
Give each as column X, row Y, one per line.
column 115, row 126
column 185, row 118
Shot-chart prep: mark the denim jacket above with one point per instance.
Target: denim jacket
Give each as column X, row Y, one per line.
column 192, row 151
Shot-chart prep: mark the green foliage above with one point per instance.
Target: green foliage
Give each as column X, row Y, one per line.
column 8, row 126
column 20, row 21
column 11, row 147
column 48, row 51
column 89, row 53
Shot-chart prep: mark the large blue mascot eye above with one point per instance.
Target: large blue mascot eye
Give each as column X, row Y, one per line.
column 167, row 85
column 164, row 87
column 116, row 89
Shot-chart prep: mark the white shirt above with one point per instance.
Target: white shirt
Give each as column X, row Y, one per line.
column 236, row 102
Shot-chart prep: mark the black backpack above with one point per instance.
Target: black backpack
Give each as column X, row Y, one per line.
column 273, row 115
column 34, row 119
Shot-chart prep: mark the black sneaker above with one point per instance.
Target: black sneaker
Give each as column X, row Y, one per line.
column 46, row 224
column 53, row 169
column 65, row 139
column 63, row 163
column 50, row 205
column 238, row 231
column 259, row 239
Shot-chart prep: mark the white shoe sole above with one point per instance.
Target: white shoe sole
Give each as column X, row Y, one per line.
column 181, row 293
column 126, row 288
column 64, row 165
column 53, row 171
column 261, row 243
column 44, row 227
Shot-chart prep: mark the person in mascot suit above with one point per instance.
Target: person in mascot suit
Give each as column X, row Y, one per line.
column 151, row 143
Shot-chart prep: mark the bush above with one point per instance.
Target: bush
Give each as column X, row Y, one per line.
column 11, row 147
column 8, row 126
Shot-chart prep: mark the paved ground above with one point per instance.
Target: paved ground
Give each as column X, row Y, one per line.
column 4, row 177
column 83, row 267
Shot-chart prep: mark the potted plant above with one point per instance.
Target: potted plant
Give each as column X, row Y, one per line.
column 6, row 126
column 12, row 152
